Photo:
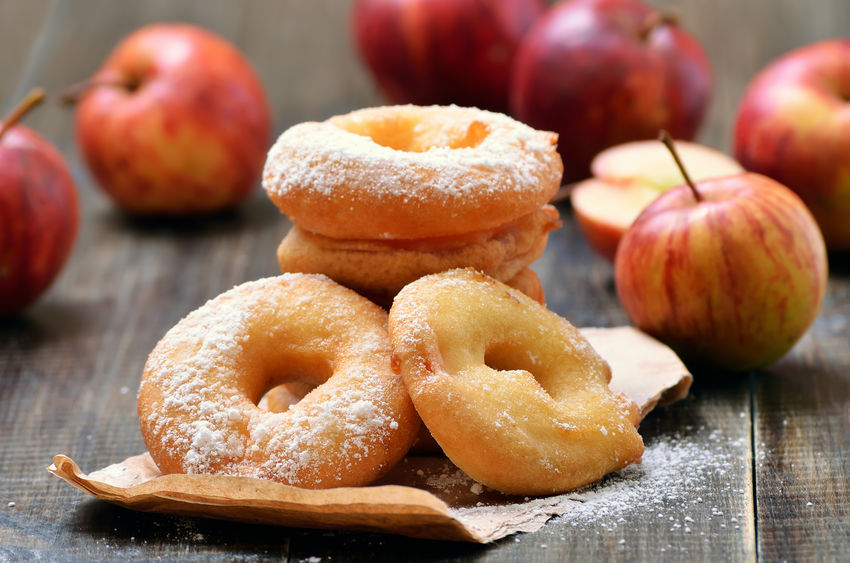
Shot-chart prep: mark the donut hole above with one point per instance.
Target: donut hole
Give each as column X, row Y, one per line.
column 413, row 133
column 515, row 356
column 539, row 358
column 281, row 397
column 302, row 372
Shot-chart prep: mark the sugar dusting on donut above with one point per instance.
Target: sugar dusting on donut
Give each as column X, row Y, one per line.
column 296, row 449
column 333, row 178
column 332, row 149
column 198, row 417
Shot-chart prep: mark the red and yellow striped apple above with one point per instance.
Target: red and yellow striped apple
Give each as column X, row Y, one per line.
column 793, row 125
column 729, row 272
column 175, row 122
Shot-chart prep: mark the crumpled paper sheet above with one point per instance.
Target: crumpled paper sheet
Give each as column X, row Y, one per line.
column 423, row 496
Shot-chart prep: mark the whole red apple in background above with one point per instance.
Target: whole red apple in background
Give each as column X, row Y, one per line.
column 793, row 125
column 731, row 280
column 628, row 177
column 175, row 122
column 443, row 51
column 39, row 212
column 603, row 72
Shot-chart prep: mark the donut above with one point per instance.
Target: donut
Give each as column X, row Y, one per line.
column 198, row 397
column 527, row 282
column 380, row 268
column 511, row 392
column 410, row 172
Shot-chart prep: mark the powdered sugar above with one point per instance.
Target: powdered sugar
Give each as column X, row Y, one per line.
column 334, row 150
column 331, row 152
column 448, row 478
column 676, row 474
column 307, row 440
column 673, row 473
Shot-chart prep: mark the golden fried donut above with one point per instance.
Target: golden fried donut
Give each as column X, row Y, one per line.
column 513, row 394
column 380, row 268
column 410, row 172
column 527, row 282
column 201, row 384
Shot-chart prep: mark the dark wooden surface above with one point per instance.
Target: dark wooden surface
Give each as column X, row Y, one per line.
column 70, row 366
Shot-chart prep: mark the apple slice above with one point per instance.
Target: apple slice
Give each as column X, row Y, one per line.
column 649, row 162
column 628, row 177
column 605, row 210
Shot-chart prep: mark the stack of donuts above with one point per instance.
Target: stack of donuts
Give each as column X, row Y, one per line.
column 383, row 196
column 389, row 202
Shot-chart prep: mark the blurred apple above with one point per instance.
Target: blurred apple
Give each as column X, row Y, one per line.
column 443, row 51
column 604, row 72
column 628, row 177
column 175, row 122
column 793, row 125
column 729, row 272
column 39, row 211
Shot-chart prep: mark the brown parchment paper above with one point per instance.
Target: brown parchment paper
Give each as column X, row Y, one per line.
column 423, row 497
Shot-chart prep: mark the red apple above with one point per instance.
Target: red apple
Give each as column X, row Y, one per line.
column 603, row 72
column 729, row 272
column 39, row 212
column 628, row 177
column 175, row 122
column 793, row 125
column 443, row 51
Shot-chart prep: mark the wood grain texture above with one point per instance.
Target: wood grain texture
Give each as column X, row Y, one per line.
column 70, row 366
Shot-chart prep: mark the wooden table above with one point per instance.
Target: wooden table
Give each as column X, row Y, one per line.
column 776, row 443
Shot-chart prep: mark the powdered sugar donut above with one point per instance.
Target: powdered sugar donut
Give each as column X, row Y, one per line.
column 406, row 172
column 512, row 393
column 201, row 384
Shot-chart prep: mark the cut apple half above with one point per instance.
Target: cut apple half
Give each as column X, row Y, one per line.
column 605, row 210
column 628, row 177
column 648, row 162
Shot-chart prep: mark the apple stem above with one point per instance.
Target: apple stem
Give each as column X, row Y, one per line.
column 665, row 138
column 35, row 97
column 74, row 92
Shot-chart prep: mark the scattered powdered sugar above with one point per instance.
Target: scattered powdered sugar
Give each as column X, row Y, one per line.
column 449, row 478
column 671, row 474
column 676, row 474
